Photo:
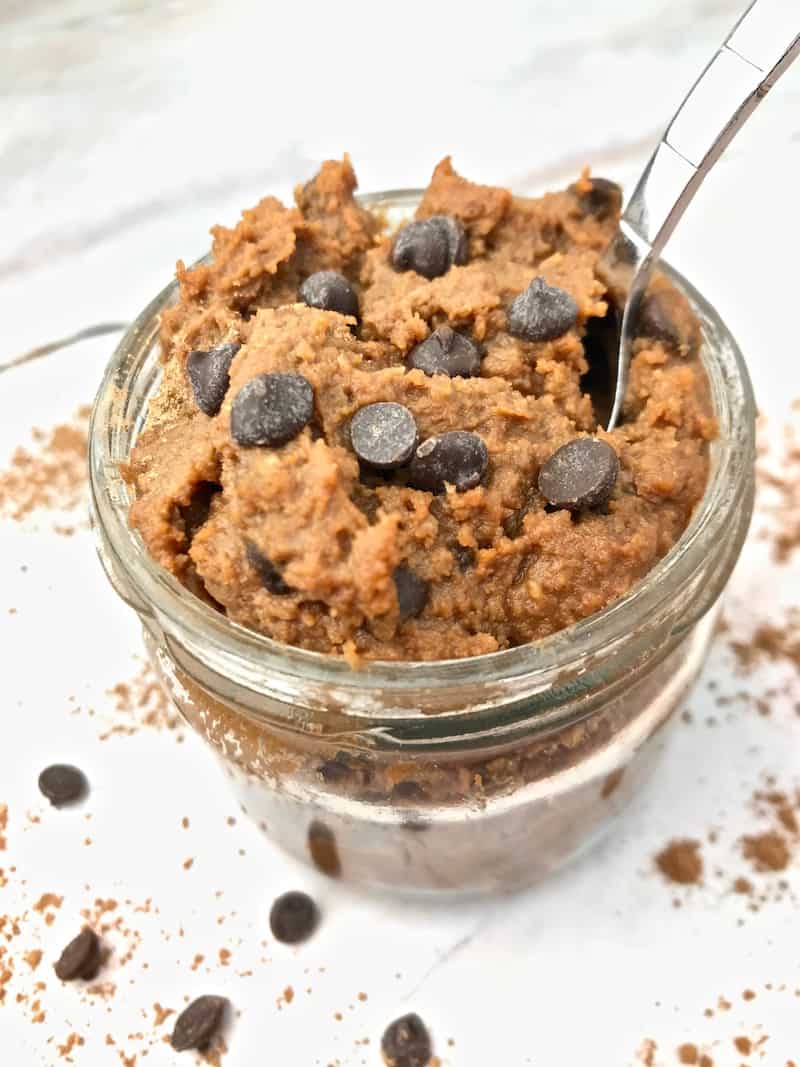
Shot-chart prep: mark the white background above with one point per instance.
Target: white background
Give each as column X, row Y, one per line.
column 127, row 129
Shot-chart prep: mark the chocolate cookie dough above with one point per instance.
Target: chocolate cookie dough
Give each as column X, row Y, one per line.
column 359, row 442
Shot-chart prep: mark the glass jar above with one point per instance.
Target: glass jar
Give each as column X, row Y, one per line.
column 474, row 774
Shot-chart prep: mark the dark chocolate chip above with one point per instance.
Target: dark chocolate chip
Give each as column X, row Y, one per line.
column 464, row 557
column 384, row 435
column 603, row 200
column 62, row 784
column 81, row 957
column 579, row 475
column 412, row 592
column 323, row 850
column 542, row 312
column 654, row 320
column 446, row 352
column 458, row 458
column 329, row 291
column 430, row 246
column 406, row 1043
column 408, row 790
column 293, row 918
column 197, row 1023
column 271, row 409
column 209, row 375
column 270, row 576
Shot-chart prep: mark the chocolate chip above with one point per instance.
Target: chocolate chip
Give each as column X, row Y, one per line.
column 81, row 957
column 329, row 291
column 271, row 409
column 412, row 592
column 430, row 246
column 406, row 1043
column 542, row 312
column 209, row 375
column 603, row 200
column 293, row 918
column 580, row 474
column 456, row 458
column 408, row 790
column 323, row 849
column 464, row 557
column 197, row 1023
column 270, row 576
column 654, row 320
column 446, row 352
column 62, row 784
column 384, row 435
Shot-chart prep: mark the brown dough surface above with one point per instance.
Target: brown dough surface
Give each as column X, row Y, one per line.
column 502, row 568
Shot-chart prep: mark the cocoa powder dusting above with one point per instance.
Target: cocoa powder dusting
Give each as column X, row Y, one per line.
column 48, row 476
column 767, row 851
column 681, row 862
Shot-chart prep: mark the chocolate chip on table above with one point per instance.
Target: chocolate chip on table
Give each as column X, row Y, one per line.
column 407, row 1043
column 209, row 375
column 579, row 475
column 384, row 435
column 329, row 291
column 446, row 352
column 62, row 784
column 542, row 313
column 603, row 200
column 270, row 576
column 323, row 849
column 81, row 958
column 412, row 592
column 458, row 458
column 293, row 918
column 430, row 246
column 198, row 1023
column 271, row 409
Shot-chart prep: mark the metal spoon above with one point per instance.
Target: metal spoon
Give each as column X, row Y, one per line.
column 751, row 59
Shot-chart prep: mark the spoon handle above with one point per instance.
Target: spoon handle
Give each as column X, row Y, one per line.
column 759, row 49
column 750, row 61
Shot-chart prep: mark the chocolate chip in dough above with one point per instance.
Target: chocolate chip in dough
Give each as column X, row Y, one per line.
column 458, row 458
column 463, row 555
column 209, row 375
column 329, row 291
column 655, row 321
column 384, row 435
column 271, row 409
column 63, row 784
column 542, row 313
column 406, row 1043
column 430, row 246
column 270, row 576
column 603, row 200
column 446, row 352
column 580, row 475
column 197, row 1023
column 412, row 592
column 81, row 957
column 293, row 918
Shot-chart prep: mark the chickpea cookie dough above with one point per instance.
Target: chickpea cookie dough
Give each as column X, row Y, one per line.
column 384, row 447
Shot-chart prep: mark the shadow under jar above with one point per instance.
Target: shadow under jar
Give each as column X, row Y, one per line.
column 476, row 774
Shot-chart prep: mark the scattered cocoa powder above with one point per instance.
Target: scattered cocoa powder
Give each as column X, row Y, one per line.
column 767, row 851
column 743, row 1045
column 50, row 475
column 688, row 1053
column 141, row 703
column 3, row 825
column 73, row 1041
column 681, row 862
column 161, row 1013
column 33, row 958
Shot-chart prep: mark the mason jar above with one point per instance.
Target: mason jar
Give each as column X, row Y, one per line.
column 472, row 774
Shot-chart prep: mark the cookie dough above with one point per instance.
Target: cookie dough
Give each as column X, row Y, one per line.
column 470, row 337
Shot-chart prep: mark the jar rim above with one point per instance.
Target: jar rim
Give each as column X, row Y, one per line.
column 160, row 594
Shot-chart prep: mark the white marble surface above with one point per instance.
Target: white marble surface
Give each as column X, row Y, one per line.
column 128, row 128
